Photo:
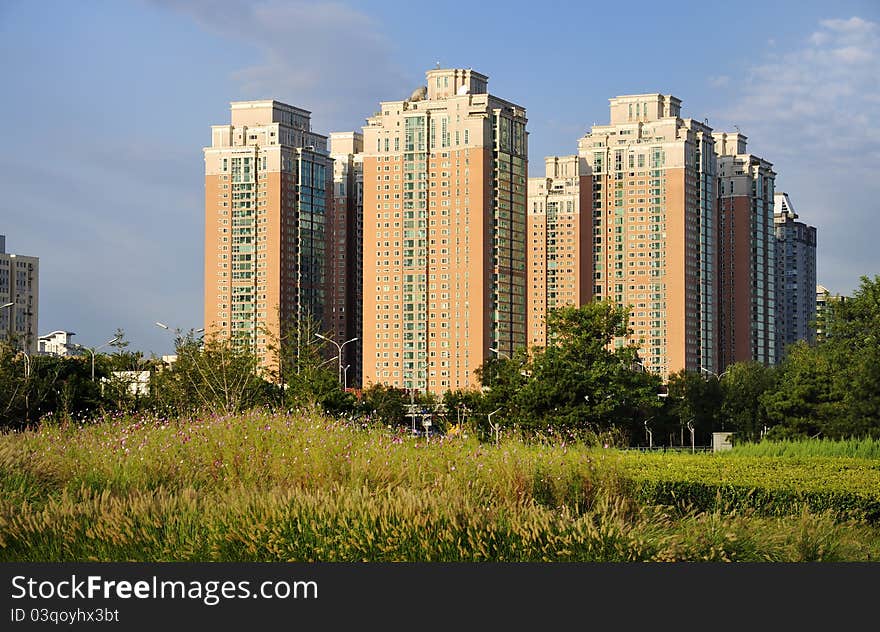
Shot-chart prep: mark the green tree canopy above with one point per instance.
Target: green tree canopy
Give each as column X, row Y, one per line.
column 586, row 377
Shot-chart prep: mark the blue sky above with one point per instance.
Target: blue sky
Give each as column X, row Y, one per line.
column 107, row 106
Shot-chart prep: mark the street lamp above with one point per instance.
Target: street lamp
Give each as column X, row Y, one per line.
column 339, row 349
column 177, row 329
column 717, row 377
column 690, row 425
column 93, row 350
column 345, row 377
column 499, row 353
column 27, row 364
column 650, row 434
column 495, row 427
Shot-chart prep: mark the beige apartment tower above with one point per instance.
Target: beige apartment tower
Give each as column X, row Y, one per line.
column 444, row 233
column 268, row 180
column 746, row 254
column 20, row 299
column 654, row 228
column 559, row 249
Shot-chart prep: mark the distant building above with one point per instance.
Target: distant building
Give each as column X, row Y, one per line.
column 746, row 254
column 136, row 383
column 19, row 299
column 268, row 181
column 558, row 244
column 444, row 233
column 345, row 237
column 826, row 305
column 56, row 343
column 795, row 275
column 654, row 237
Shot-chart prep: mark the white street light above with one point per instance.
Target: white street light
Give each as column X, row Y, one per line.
column 92, row 351
column 717, row 377
column 328, row 361
column 177, row 329
column 339, row 349
column 499, row 353
column 495, row 427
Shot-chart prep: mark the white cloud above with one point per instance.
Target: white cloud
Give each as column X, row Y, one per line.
column 326, row 57
column 813, row 109
column 822, row 94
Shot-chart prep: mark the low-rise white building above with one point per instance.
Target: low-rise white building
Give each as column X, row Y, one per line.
column 56, row 343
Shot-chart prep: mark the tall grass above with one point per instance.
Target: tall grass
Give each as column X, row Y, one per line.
column 402, row 525
column 867, row 448
column 306, row 487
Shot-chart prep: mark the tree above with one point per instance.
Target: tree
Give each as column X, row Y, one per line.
column 121, row 388
column 743, row 405
column 305, row 376
column 585, row 378
column 693, row 398
column 854, row 349
column 461, row 404
column 32, row 388
column 220, row 374
column 833, row 389
column 388, row 404
column 502, row 378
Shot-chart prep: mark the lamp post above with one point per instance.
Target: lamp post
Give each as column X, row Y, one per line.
column 717, row 379
column 177, row 330
column 339, row 349
column 495, row 427
column 499, row 353
column 717, row 376
column 690, row 425
column 92, row 351
column 345, row 377
column 650, row 434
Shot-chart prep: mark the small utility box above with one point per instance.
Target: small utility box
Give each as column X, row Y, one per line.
column 721, row 441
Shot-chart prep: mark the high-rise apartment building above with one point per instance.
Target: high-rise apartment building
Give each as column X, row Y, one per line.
column 796, row 275
column 444, row 233
column 19, row 298
column 268, row 184
column 345, row 234
column 559, row 248
column 746, row 254
column 653, row 177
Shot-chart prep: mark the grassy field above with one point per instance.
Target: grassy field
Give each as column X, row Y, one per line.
column 305, row 488
column 858, row 448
